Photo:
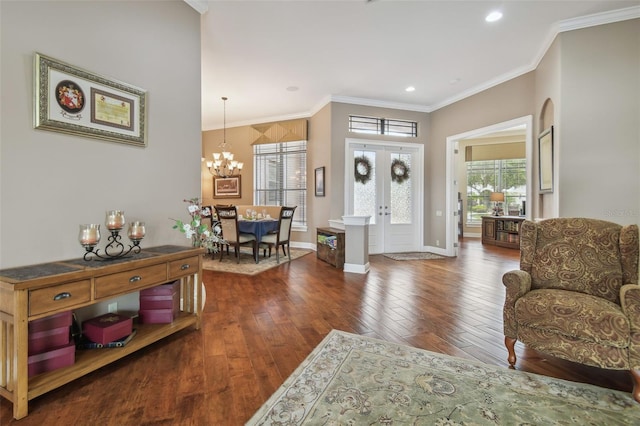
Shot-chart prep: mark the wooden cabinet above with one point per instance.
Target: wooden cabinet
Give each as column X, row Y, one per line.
column 330, row 246
column 502, row 231
column 31, row 292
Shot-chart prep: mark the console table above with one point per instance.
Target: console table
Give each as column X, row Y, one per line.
column 31, row 292
column 503, row 231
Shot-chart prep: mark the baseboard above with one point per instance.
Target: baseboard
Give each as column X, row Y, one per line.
column 355, row 268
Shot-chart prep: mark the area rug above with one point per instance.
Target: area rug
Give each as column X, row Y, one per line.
column 413, row 256
column 247, row 265
column 355, row 380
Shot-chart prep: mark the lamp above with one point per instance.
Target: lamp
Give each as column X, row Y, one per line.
column 223, row 164
column 497, row 198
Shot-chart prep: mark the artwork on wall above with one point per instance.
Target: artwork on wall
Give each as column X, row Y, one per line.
column 320, row 182
column 78, row 102
column 545, row 158
column 227, row 187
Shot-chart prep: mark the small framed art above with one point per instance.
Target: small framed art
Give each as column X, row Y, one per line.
column 228, row 187
column 319, row 182
column 545, row 158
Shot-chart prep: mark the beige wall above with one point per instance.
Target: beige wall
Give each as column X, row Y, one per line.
column 52, row 182
column 504, row 102
column 599, row 119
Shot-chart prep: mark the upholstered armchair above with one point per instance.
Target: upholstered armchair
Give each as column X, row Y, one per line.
column 576, row 295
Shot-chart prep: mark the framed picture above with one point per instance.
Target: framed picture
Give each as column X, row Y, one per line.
column 229, row 187
column 545, row 157
column 78, row 102
column 320, row 182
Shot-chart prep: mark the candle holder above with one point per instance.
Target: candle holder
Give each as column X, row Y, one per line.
column 89, row 238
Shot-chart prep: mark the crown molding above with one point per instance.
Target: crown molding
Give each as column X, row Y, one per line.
column 380, row 104
column 563, row 26
column 201, row 6
column 599, row 19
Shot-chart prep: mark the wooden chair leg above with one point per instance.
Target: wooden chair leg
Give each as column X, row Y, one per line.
column 510, row 343
column 635, row 376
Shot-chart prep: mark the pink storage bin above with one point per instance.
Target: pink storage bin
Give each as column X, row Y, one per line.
column 157, row 316
column 41, row 341
column 162, row 290
column 160, row 302
column 62, row 319
column 107, row 328
column 52, row 360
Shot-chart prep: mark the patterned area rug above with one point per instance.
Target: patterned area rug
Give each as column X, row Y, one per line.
column 413, row 256
column 355, row 380
column 247, row 265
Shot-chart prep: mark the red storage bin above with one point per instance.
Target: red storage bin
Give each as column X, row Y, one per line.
column 107, row 328
column 162, row 290
column 62, row 319
column 52, row 360
column 45, row 340
column 160, row 302
column 157, row 316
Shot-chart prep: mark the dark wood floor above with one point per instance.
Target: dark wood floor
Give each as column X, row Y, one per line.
column 256, row 330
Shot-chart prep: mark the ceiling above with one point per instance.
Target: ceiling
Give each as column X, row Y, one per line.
column 278, row 60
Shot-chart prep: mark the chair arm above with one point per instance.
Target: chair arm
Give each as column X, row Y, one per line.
column 517, row 284
column 630, row 302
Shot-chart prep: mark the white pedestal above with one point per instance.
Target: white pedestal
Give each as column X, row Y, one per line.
column 356, row 253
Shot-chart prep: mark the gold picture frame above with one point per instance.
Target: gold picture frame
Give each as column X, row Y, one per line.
column 227, row 187
column 545, row 160
column 78, row 102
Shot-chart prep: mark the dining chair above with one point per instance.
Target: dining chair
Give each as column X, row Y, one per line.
column 228, row 218
column 282, row 235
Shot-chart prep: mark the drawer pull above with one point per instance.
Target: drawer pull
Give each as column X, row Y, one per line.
column 61, row 296
column 135, row 278
column 185, row 267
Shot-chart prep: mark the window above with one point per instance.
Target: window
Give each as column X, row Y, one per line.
column 487, row 176
column 280, row 177
column 383, row 126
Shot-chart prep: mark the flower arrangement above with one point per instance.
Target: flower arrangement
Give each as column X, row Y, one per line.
column 198, row 232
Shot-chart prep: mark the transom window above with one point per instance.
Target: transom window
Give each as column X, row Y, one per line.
column 280, row 177
column 383, row 126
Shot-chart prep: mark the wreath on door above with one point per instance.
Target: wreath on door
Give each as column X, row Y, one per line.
column 362, row 169
column 399, row 171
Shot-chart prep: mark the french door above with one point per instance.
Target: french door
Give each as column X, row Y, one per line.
column 384, row 181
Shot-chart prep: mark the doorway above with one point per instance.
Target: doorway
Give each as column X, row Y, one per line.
column 455, row 158
column 385, row 181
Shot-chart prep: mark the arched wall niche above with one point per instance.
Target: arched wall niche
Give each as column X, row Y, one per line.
column 546, row 120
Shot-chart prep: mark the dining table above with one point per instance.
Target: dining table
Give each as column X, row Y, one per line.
column 257, row 227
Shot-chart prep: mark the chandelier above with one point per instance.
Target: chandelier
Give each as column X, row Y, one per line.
column 223, row 164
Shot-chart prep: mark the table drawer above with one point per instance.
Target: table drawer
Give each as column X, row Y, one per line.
column 59, row 297
column 182, row 267
column 125, row 282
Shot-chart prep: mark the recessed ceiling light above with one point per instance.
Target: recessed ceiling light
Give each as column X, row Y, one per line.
column 454, row 81
column 493, row 16
column 292, row 88
column 410, row 89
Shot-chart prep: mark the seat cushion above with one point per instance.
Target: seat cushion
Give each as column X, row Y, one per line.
column 245, row 238
column 582, row 316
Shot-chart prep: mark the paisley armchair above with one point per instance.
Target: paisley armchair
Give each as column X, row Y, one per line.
column 576, row 295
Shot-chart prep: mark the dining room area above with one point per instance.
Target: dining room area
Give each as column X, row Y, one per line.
column 249, row 238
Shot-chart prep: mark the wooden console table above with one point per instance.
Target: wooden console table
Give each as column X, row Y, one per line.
column 31, row 292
